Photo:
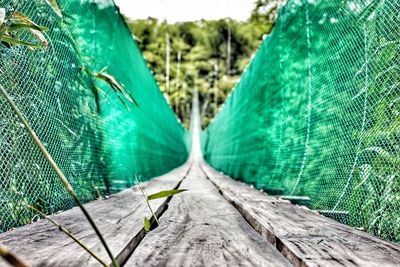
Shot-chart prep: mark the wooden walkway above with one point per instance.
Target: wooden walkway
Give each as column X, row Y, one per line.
column 218, row 222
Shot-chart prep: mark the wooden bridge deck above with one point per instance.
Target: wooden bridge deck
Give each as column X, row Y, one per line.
column 218, row 222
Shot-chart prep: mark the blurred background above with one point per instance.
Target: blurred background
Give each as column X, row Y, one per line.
column 198, row 44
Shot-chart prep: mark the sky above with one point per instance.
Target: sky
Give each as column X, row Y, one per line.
column 186, row 10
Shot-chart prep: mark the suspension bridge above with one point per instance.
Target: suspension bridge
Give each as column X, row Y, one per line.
column 298, row 168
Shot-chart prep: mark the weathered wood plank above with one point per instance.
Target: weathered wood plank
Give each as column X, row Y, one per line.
column 304, row 237
column 119, row 218
column 200, row 228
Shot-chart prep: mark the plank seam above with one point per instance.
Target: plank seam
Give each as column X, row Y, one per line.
column 259, row 228
column 124, row 255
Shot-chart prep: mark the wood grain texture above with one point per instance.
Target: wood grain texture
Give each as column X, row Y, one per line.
column 303, row 236
column 200, row 228
column 119, row 218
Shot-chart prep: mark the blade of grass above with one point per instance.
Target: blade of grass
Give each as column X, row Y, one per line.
column 115, row 85
column 53, row 4
column 40, row 36
column 10, row 257
column 145, row 198
column 58, row 171
column 20, row 26
column 13, row 41
column 164, row 194
column 20, row 21
column 147, row 224
column 68, row 233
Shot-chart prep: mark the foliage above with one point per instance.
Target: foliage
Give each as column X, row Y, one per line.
column 162, row 194
column 93, row 138
column 63, row 179
column 53, row 4
column 266, row 11
column 69, row 234
column 207, row 55
column 11, row 26
column 115, row 85
column 165, row 194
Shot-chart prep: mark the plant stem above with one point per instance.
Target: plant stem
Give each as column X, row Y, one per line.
column 58, row 171
column 10, row 257
column 147, row 202
column 68, row 233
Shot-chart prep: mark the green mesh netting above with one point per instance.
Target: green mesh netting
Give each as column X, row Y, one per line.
column 317, row 113
column 98, row 142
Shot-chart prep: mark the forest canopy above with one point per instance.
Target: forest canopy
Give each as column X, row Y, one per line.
column 208, row 56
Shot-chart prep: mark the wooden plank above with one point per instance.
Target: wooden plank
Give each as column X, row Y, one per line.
column 119, row 218
column 303, row 236
column 200, row 228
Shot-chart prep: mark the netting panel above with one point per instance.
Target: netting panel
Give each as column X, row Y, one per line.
column 98, row 142
column 317, row 113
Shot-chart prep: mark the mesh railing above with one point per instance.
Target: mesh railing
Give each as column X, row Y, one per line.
column 98, row 142
column 317, row 113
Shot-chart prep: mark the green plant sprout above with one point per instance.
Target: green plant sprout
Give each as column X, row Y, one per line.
column 115, row 85
column 161, row 194
column 68, row 233
column 10, row 29
column 58, row 171
column 10, row 257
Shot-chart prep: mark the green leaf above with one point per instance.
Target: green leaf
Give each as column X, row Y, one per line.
column 12, row 41
column 39, row 35
column 167, row 193
column 147, row 224
column 21, row 21
column 19, row 26
column 53, row 4
column 115, row 85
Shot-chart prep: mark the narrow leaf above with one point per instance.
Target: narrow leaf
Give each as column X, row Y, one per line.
column 123, row 103
column 164, row 194
column 53, row 4
column 21, row 21
column 115, row 85
column 12, row 41
column 104, row 69
column 147, row 224
column 19, row 26
column 39, row 35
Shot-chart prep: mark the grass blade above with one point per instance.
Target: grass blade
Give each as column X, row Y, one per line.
column 53, row 4
column 21, row 21
column 58, row 171
column 147, row 202
column 19, row 26
column 39, row 35
column 71, row 235
column 147, row 224
column 115, row 85
column 13, row 41
column 11, row 258
column 166, row 193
